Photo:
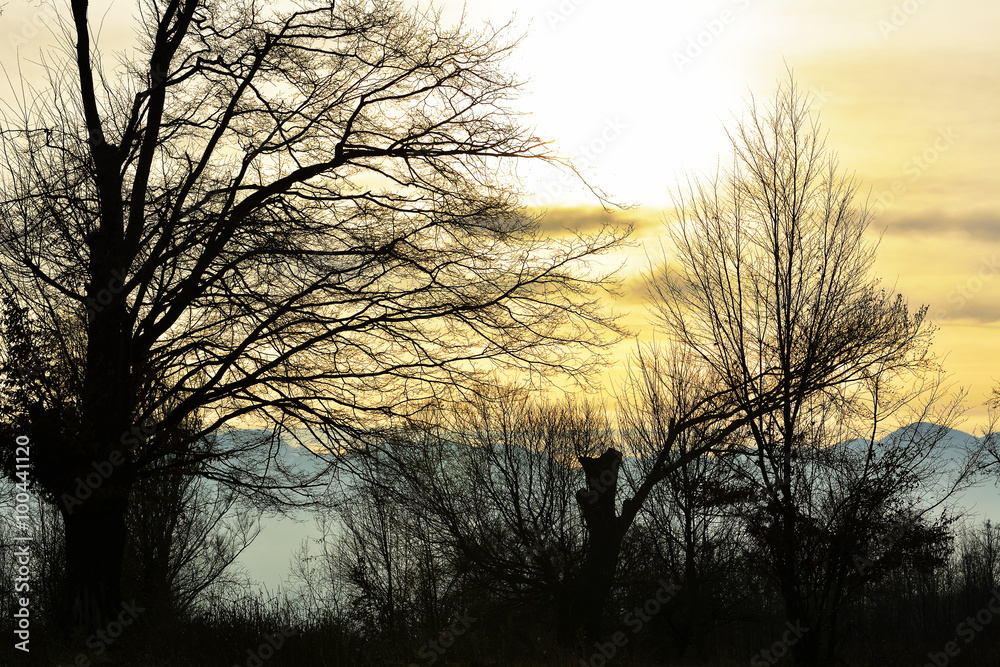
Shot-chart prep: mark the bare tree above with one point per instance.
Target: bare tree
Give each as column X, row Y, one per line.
column 496, row 490
column 774, row 293
column 687, row 530
column 680, row 412
column 870, row 498
column 299, row 218
column 380, row 555
column 991, row 434
column 184, row 536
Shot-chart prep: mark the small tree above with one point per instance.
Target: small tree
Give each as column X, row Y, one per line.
column 495, row 487
column 184, row 536
column 687, row 532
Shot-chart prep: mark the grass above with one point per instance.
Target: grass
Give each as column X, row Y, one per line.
column 236, row 635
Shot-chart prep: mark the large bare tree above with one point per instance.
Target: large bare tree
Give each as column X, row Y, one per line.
column 304, row 218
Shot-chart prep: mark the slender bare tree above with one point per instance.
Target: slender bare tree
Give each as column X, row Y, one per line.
column 774, row 292
column 184, row 536
column 495, row 488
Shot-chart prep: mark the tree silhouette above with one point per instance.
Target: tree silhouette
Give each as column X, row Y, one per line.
column 687, row 531
column 774, row 293
column 303, row 219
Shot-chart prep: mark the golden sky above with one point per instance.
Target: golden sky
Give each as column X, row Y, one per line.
column 640, row 93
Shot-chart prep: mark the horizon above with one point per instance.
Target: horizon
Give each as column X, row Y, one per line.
column 269, row 558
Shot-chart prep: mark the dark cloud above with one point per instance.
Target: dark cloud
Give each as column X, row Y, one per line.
column 969, row 289
column 635, row 288
column 981, row 227
column 556, row 221
column 982, row 313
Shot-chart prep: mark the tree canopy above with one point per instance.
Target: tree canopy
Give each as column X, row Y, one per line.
column 303, row 217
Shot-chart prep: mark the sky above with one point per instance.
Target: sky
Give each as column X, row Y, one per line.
column 639, row 94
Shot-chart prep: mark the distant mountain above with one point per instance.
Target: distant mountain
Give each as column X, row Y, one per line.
column 951, row 438
column 981, row 502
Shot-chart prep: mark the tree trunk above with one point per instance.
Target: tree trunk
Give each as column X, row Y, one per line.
column 689, row 602
column 95, row 546
column 809, row 649
column 594, row 586
column 604, row 541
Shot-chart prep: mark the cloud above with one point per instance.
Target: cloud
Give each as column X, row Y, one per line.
column 975, row 311
column 974, row 296
column 558, row 221
column 635, row 289
column 951, row 262
column 980, row 227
